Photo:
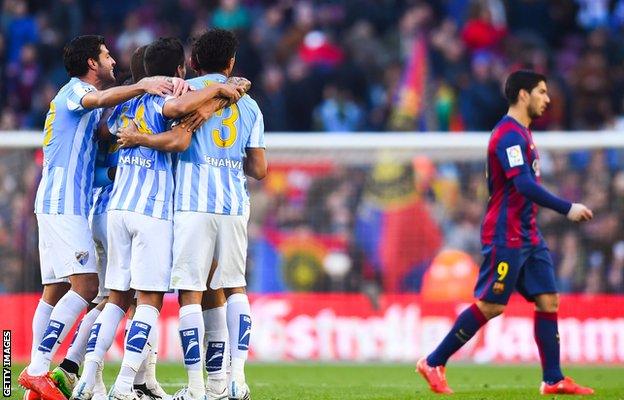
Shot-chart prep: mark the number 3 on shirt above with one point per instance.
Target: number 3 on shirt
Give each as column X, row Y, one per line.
column 225, row 136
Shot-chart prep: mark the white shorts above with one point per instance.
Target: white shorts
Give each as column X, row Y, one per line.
column 65, row 247
column 98, row 228
column 198, row 237
column 139, row 252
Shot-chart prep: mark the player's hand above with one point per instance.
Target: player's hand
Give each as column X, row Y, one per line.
column 180, row 86
column 194, row 120
column 158, row 85
column 231, row 92
column 129, row 136
column 579, row 213
column 240, row 81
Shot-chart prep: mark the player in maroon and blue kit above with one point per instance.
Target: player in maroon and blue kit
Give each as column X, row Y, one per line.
column 515, row 255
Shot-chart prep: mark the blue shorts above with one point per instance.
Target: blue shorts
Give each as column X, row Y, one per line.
column 529, row 270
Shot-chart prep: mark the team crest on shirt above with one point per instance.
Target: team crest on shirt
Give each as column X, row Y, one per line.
column 82, row 257
column 514, row 156
column 498, row 288
column 536, row 167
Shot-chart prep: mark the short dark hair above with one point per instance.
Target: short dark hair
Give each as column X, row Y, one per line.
column 522, row 79
column 163, row 57
column 78, row 51
column 137, row 67
column 212, row 51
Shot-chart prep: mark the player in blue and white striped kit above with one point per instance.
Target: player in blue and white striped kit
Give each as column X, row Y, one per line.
column 64, row 198
column 140, row 214
column 211, row 214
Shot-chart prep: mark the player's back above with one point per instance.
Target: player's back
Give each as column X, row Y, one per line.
column 209, row 175
column 510, row 219
column 144, row 177
column 68, row 153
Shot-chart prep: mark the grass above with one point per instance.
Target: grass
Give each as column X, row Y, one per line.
column 311, row 381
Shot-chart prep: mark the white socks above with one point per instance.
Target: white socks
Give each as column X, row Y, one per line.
column 100, row 340
column 191, row 335
column 62, row 318
column 215, row 343
column 39, row 324
column 136, row 348
column 239, row 329
column 76, row 351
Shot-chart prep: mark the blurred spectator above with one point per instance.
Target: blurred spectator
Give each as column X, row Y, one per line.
column 338, row 112
column 271, row 99
column 20, row 27
column 231, row 15
column 482, row 103
column 134, row 34
column 22, row 79
column 480, row 31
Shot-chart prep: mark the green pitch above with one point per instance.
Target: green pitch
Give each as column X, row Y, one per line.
column 392, row 382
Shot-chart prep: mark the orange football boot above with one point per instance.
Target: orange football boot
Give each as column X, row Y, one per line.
column 565, row 386
column 435, row 376
column 42, row 385
column 30, row 395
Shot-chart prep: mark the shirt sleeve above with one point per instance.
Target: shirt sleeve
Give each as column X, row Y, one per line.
column 74, row 98
column 511, row 152
column 158, row 103
column 256, row 138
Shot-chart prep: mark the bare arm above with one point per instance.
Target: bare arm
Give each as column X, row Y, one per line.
column 160, row 86
column 191, row 101
column 255, row 164
column 175, row 140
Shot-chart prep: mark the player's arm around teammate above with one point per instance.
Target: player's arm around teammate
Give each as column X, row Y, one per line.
column 179, row 137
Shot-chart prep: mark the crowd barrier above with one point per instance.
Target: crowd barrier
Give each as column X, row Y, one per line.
column 391, row 328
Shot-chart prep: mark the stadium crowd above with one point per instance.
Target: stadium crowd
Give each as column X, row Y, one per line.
column 359, row 50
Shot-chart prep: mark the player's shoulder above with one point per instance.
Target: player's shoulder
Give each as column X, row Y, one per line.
column 247, row 103
column 197, row 82
column 506, row 130
column 80, row 87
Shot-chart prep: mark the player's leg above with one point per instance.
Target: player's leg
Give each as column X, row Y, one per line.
column 150, row 277
column 71, row 237
column 76, row 352
column 52, row 293
column 145, row 381
column 497, row 278
column 102, row 335
column 538, row 283
column 194, row 238
column 53, row 288
column 66, row 374
column 191, row 331
column 149, row 304
column 230, row 275
column 102, row 332
column 215, row 340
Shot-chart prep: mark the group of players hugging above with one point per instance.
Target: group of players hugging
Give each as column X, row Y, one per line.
column 143, row 191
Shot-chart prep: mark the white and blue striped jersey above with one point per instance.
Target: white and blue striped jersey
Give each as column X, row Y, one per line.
column 107, row 157
column 69, row 148
column 209, row 174
column 144, row 177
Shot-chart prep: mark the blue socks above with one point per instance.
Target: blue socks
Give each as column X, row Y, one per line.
column 547, row 339
column 466, row 325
